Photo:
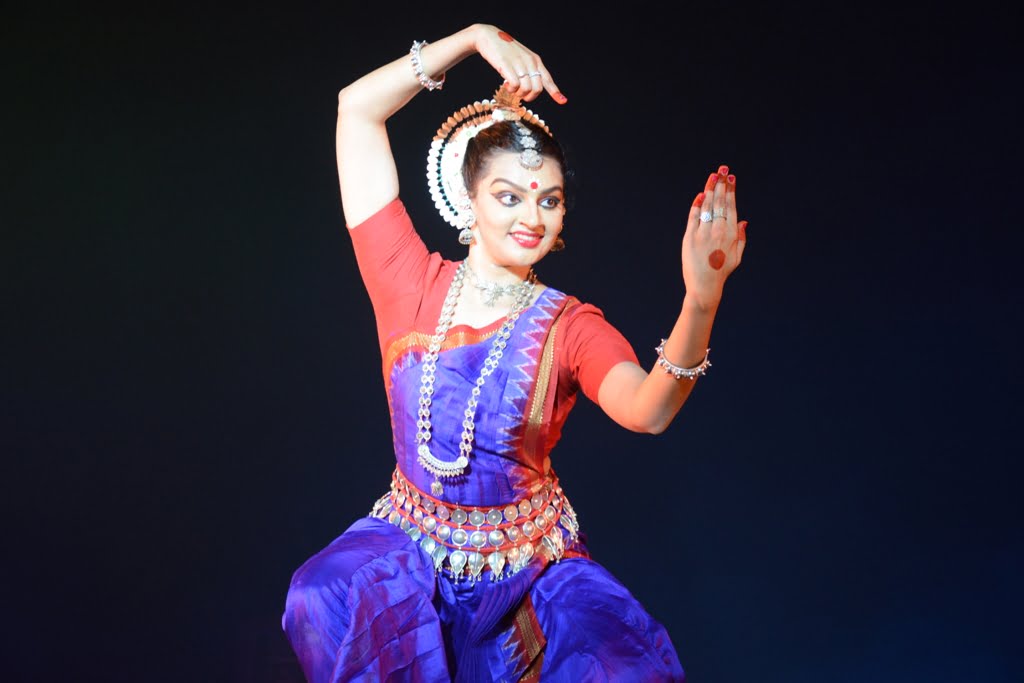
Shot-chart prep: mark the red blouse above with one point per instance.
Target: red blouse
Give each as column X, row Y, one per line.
column 407, row 285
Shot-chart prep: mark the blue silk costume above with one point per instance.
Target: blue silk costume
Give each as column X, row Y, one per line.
column 381, row 602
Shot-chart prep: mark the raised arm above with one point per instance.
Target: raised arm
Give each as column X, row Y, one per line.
column 366, row 166
column 713, row 246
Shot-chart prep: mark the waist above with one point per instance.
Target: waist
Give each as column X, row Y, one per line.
column 465, row 541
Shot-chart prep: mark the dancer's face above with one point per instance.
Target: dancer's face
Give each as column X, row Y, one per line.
column 518, row 212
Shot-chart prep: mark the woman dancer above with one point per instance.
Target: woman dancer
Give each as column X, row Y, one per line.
column 472, row 567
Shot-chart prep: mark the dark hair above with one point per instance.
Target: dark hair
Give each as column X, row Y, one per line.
column 503, row 137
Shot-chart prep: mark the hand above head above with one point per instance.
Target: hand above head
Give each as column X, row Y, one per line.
column 521, row 68
column 714, row 240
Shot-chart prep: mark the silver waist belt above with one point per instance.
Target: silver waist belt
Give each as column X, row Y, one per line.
column 466, row 541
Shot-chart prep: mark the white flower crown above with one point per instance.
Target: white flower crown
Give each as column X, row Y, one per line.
column 448, row 151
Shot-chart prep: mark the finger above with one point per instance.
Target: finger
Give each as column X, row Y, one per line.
column 707, row 200
column 527, row 88
column 719, row 224
column 729, row 207
column 508, row 73
column 730, row 197
column 693, row 220
column 741, row 242
column 720, row 188
column 552, row 88
column 534, row 80
column 516, row 76
column 541, row 80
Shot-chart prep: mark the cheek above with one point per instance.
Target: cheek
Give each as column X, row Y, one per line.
column 493, row 223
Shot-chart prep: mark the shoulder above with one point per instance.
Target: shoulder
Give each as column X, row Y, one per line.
column 582, row 313
column 585, row 326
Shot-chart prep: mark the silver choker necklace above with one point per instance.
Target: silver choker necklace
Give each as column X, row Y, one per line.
column 492, row 291
column 442, row 468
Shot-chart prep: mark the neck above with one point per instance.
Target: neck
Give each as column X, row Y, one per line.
column 492, row 272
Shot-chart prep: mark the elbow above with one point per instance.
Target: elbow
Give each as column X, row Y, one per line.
column 343, row 100
column 655, row 429
column 654, row 424
column 348, row 100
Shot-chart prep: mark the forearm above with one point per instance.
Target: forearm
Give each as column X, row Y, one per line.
column 649, row 401
column 366, row 167
column 661, row 395
column 379, row 94
column 712, row 248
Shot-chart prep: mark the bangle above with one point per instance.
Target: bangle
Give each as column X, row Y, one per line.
column 675, row 370
column 417, row 67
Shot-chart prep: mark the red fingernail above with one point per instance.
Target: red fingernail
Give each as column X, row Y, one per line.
column 732, row 179
column 699, row 200
column 723, row 170
column 712, row 179
column 560, row 98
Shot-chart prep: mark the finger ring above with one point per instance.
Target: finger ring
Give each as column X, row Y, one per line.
column 705, row 217
column 520, row 75
column 534, row 73
column 719, row 213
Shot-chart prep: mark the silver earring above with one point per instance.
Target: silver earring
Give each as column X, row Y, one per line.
column 465, row 237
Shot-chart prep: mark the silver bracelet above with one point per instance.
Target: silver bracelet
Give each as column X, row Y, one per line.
column 417, row 67
column 678, row 372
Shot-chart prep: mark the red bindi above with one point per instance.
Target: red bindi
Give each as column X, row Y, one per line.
column 506, row 37
column 533, row 185
column 716, row 259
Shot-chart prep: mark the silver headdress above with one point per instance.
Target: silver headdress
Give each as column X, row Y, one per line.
column 448, row 150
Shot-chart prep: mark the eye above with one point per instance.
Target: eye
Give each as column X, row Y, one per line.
column 550, row 202
column 507, row 199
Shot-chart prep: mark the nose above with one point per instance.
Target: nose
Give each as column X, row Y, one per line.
column 532, row 215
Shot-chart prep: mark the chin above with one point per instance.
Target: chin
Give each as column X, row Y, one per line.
column 527, row 259
column 514, row 256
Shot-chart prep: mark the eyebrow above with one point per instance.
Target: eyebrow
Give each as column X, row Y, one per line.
column 546, row 190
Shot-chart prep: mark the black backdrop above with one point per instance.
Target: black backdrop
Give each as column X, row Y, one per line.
column 191, row 390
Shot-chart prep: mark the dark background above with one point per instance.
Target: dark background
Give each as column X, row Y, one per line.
column 191, row 394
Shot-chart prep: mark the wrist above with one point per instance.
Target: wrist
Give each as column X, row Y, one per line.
column 478, row 33
column 423, row 75
column 704, row 306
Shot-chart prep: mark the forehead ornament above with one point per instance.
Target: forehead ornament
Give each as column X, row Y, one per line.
column 530, row 157
column 448, row 150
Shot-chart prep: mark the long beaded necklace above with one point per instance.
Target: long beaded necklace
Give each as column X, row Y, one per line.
column 443, row 468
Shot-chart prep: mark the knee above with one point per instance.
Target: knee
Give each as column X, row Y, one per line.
column 315, row 617
column 311, row 598
column 317, row 593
